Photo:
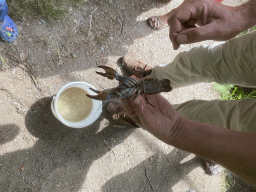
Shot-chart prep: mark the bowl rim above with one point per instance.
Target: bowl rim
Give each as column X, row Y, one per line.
column 95, row 112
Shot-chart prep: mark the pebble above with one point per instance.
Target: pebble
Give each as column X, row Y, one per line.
column 43, row 21
column 22, row 56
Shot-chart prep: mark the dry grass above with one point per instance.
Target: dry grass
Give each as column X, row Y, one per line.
column 48, row 9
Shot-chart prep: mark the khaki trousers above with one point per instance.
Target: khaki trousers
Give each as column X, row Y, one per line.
column 230, row 62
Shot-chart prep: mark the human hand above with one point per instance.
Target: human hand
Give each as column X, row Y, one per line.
column 199, row 20
column 153, row 113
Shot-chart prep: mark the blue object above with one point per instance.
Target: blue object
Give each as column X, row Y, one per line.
column 8, row 30
column 3, row 10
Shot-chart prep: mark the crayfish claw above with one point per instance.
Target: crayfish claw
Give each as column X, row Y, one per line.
column 102, row 95
column 94, row 90
column 104, row 75
column 110, row 72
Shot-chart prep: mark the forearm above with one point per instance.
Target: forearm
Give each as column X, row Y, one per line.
column 234, row 150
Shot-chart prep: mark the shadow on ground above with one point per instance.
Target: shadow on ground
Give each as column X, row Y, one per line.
column 160, row 172
column 8, row 133
column 61, row 156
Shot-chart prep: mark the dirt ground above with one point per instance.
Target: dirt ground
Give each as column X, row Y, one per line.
column 38, row 153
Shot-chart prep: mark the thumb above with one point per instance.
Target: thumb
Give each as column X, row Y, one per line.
column 182, row 39
column 197, row 34
column 135, row 109
column 139, row 105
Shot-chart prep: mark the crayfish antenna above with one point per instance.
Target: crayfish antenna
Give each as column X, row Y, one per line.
column 102, row 95
column 110, row 72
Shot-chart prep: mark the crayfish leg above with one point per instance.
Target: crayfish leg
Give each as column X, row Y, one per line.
column 138, row 93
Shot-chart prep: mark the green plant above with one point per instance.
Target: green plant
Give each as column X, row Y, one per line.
column 233, row 92
column 229, row 182
column 49, row 9
column 247, row 31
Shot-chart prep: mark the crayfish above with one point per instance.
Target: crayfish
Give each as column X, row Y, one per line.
column 129, row 86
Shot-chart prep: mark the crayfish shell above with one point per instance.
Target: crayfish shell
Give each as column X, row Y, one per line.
column 154, row 86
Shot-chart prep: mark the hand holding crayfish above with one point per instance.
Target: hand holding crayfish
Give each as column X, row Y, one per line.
column 153, row 113
column 130, row 86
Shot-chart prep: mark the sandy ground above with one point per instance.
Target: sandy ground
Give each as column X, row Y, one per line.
column 38, row 153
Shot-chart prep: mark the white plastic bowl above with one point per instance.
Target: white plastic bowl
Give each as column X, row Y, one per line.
column 93, row 116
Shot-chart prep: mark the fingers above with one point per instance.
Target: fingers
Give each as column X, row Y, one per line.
column 164, row 106
column 198, row 34
column 182, row 18
column 138, row 110
column 215, row 21
column 191, row 34
column 131, row 109
column 139, row 105
column 144, row 105
column 187, row 32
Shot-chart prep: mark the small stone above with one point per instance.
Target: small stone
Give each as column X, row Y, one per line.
column 43, row 21
column 22, row 56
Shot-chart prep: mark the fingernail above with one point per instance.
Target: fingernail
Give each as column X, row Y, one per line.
column 182, row 39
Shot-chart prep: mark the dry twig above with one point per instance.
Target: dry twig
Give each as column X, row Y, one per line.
column 91, row 20
column 58, row 51
column 148, row 179
column 25, row 68
column 15, row 101
column 30, row 74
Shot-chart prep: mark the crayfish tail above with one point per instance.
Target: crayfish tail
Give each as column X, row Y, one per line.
column 166, row 85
